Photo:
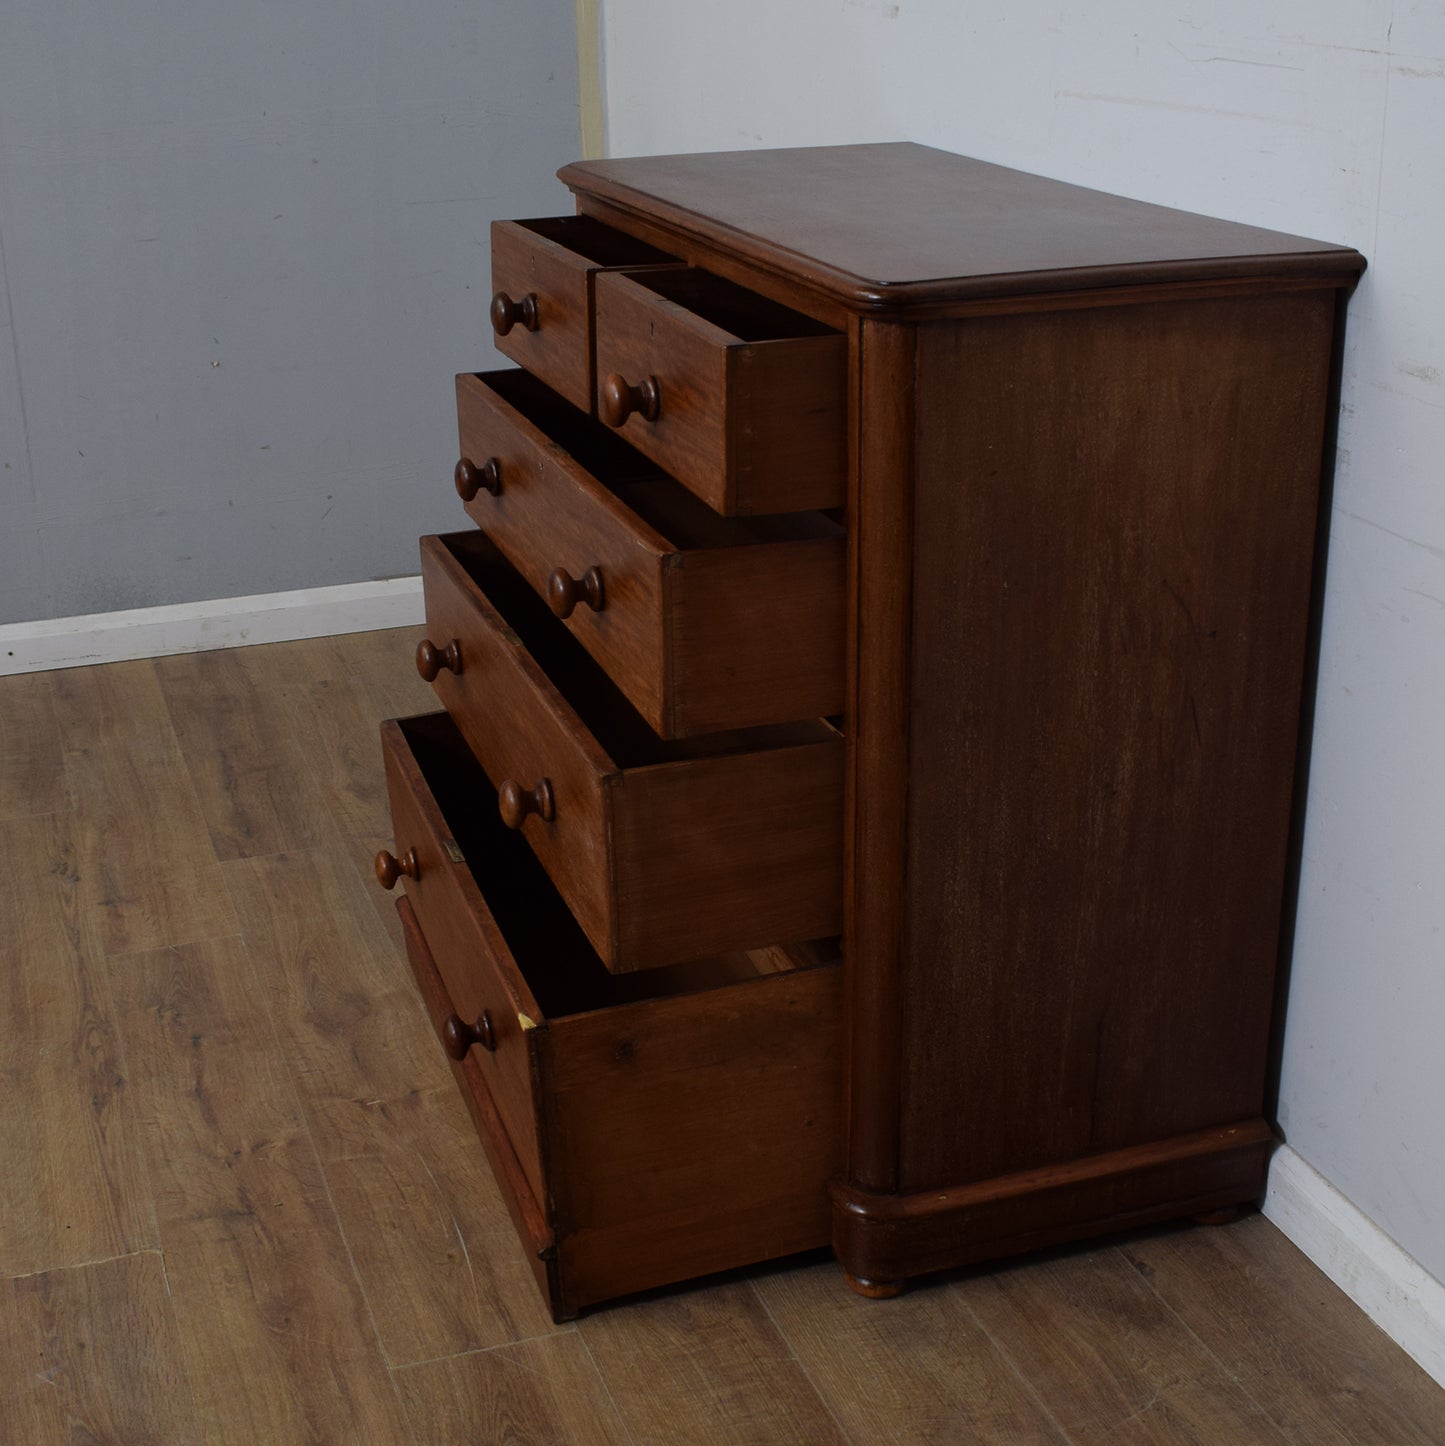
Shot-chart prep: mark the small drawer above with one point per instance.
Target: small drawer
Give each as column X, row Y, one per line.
column 741, row 399
column 542, row 278
column 664, row 849
column 592, row 1090
column 705, row 622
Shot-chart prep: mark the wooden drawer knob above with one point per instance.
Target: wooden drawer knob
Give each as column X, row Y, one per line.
column 564, row 591
column 620, row 400
column 471, row 479
column 430, row 659
column 516, row 802
column 458, row 1037
column 506, row 313
column 389, row 868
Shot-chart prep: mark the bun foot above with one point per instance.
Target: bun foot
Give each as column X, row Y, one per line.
column 876, row 1289
column 1226, row 1215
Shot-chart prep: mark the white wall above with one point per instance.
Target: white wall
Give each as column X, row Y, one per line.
column 1325, row 118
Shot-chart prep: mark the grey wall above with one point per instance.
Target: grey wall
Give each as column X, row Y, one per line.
column 243, row 249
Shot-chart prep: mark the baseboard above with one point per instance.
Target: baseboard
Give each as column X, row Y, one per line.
column 231, row 622
column 1392, row 1288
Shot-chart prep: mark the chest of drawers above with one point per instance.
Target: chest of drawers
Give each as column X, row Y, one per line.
column 873, row 693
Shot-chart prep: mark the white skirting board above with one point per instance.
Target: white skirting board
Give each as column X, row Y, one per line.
column 231, row 622
column 1393, row 1289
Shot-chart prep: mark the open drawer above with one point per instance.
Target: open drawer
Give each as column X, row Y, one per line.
column 705, row 622
column 645, row 1128
column 744, row 401
column 665, row 850
column 542, row 281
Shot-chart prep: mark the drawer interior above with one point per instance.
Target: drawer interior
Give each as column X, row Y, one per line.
column 617, row 726
column 602, row 245
column 563, row 971
column 664, row 504
column 735, row 309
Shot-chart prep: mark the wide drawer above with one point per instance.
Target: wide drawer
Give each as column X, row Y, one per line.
column 646, row 1128
column 705, row 622
column 665, row 850
column 741, row 399
column 542, row 276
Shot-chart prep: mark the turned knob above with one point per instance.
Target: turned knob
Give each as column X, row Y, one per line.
column 506, row 313
column 564, row 591
column 389, row 868
column 471, row 479
column 620, row 400
column 458, row 1037
column 430, row 659
column 515, row 802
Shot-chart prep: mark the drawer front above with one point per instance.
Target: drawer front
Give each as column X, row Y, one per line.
column 751, row 423
column 517, row 1185
column 523, row 735
column 706, row 623
column 550, row 515
column 683, row 849
column 472, row 961
column 542, row 273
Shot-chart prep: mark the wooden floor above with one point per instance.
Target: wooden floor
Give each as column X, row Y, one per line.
column 240, row 1200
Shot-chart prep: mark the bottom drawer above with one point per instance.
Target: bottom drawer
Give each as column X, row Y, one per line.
column 646, row 1128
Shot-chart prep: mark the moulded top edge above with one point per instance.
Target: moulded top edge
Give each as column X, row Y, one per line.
column 895, row 225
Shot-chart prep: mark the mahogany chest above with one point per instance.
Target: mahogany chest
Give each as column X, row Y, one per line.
column 873, row 691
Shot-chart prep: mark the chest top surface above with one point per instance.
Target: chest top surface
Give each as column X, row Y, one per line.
column 898, row 224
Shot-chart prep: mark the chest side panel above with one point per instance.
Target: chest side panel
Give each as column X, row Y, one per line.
column 1113, row 538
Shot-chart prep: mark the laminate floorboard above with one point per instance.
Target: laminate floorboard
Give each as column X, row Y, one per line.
column 1289, row 1337
column 93, row 1353
column 32, row 765
column 152, row 874
column 250, row 773
column 706, row 1367
column 536, row 1393
column 919, row 1368
column 244, row 1211
column 241, row 1200
column 73, row 1186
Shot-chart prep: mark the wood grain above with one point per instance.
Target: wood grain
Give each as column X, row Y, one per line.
column 705, row 1367
column 243, row 1209
column 919, row 1368
column 536, row 1393
column 254, row 787
column 263, row 1302
column 753, row 1069
column 1278, row 1326
column 1107, row 688
column 880, row 611
column 885, row 227
column 72, row 1186
column 556, row 259
column 93, row 1354
column 1117, row 1363
column 663, row 851
column 430, row 1235
column 328, row 694
column 750, row 424
column 341, row 1000
column 32, row 767
column 731, row 852
column 709, row 623
column 149, row 870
